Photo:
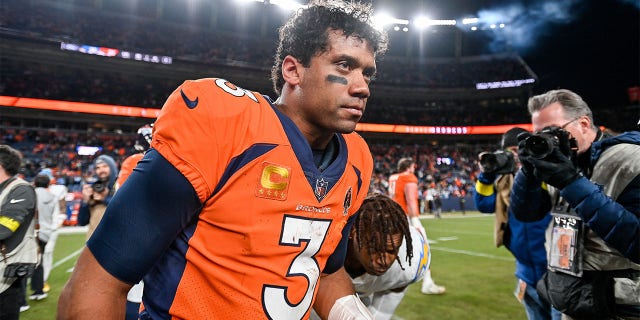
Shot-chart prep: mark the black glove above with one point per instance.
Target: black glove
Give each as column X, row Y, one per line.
column 555, row 169
column 523, row 156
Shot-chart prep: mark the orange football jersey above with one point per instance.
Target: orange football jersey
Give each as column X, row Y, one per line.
column 397, row 182
column 127, row 167
column 269, row 220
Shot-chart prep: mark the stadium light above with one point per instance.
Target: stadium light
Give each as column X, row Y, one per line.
column 382, row 20
column 424, row 22
column 287, row 4
column 421, row 22
column 469, row 20
column 443, row 22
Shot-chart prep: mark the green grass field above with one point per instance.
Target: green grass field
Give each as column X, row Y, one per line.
column 478, row 277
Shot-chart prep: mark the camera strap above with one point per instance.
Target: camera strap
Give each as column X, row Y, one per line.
column 566, row 241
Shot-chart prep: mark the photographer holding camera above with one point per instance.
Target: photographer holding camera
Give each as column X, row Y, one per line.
column 18, row 245
column 96, row 195
column 591, row 184
column 524, row 240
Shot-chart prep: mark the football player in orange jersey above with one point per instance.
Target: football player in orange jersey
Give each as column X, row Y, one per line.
column 403, row 188
column 243, row 206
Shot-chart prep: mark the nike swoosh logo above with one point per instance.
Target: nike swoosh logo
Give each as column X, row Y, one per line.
column 16, row 201
column 190, row 103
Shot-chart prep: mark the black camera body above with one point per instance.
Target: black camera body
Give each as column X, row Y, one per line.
column 540, row 144
column 99, row 186
column 498, row 162
column 19, row 270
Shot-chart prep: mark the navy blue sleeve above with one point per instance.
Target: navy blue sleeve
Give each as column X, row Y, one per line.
column 616, row 222
column 529, row 202
column 484, row 194
column 83, row 214
column 143, row 218
column 336, row 260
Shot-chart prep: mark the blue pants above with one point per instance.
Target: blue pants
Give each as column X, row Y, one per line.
column 536, row 308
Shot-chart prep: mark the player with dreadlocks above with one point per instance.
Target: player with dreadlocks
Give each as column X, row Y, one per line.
column 385, row 254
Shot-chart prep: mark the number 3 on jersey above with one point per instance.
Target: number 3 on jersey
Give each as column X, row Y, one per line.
column 296, row 230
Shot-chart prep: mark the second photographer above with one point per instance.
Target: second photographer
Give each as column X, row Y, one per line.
column 97, row 193
column 525, row 240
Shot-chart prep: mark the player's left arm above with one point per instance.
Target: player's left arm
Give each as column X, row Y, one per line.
column 331, row 287
column 411, row 194
column 336, row 298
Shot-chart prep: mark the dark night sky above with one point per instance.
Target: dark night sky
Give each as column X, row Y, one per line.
column 596, row 55
column 588, row 46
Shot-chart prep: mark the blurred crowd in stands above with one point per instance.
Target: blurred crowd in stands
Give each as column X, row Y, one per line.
column 250, row 48
column 109, row 27
column 37, row 80
column 58, row 150
column 445, row 170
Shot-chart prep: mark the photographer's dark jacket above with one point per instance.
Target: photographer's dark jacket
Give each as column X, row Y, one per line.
column 607, row 198
column 91, row 213
column 525, row 240
column 17, row 226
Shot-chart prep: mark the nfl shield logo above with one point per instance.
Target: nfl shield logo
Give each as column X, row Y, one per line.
column 321, row 188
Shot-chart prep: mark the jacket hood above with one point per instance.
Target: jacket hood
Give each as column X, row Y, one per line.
column 598, row 147
column 113, row 175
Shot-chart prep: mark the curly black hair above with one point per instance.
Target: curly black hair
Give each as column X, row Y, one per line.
column 306, row 33
column 378, row 220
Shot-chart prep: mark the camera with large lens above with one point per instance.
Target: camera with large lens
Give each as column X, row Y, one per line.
column 540, row 144
column 19, row 270
column 99, row 186
column 498, row 162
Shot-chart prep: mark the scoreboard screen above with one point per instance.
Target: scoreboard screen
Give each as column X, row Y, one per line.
column 113, row 52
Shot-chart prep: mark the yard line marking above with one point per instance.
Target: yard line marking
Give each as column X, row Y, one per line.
column 67, row 258
column 471, row 253
column 73, row 230
column 447, row 238
column 459, row 232
column 456, row 216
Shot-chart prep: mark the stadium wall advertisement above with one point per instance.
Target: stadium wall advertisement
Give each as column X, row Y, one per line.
column 130, row 111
